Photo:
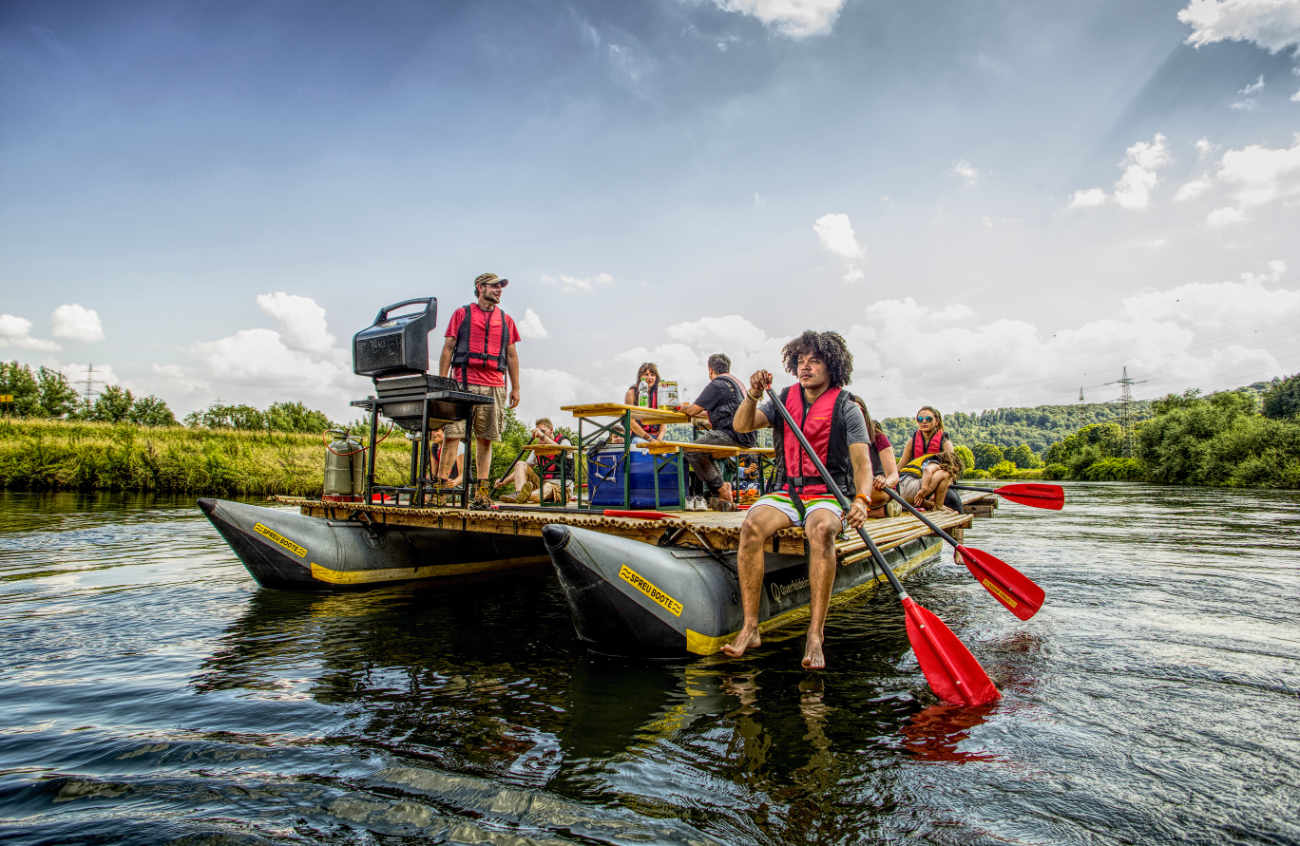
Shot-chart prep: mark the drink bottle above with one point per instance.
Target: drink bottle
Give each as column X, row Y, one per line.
column 642, row 393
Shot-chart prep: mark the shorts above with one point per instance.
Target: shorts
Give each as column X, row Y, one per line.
column 909, row 487
column 781, row 502
column 489, row 420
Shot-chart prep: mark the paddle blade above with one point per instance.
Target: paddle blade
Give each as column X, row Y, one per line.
column 1034, row 494
column 953, row 673
column 1019, row 593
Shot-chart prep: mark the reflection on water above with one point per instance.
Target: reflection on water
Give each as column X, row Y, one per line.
column 153, row 692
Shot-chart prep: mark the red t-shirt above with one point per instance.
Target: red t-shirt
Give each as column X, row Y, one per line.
column 479, row 372
column 882, row 441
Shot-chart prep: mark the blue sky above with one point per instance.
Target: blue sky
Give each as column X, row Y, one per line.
column 995, row 203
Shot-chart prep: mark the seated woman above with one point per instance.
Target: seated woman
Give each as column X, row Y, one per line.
column 649, row 373
column 436, row 439
column 884, row 468
column 929, row 463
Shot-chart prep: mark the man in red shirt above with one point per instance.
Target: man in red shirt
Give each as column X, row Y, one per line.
column 479, row 349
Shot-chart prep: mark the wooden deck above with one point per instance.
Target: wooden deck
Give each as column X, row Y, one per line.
column 714, row 529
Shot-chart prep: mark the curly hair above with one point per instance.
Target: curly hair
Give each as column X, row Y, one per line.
column 829, row 347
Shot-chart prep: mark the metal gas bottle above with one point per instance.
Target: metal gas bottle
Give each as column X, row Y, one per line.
column 344, row 468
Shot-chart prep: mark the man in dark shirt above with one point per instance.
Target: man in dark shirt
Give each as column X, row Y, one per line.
column 716, row 404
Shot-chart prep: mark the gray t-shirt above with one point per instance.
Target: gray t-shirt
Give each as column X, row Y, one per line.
column 855, row 425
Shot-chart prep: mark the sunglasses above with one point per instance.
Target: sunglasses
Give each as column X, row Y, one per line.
column 925, row 419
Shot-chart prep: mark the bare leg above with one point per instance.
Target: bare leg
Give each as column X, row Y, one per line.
column 820, row 529
column 760, row 524
column 483, row 460
column 450, row 449
column 942, row 480
column 927, row 485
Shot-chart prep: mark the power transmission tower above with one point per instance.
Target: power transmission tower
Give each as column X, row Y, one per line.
column 1125, row 398
column 90, row 382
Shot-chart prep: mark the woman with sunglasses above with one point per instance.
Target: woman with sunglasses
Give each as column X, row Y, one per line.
column 929, row 463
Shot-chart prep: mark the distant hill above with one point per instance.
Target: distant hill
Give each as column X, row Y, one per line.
column 1039, row 427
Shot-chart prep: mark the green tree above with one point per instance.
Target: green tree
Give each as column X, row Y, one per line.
column 17, row 379
column 1023, row 456
column 113, row 405
column 965, row 456
column 151, row 411
column 295, row 417
column 1282, row 399
column 57, row 398
column 986, row 455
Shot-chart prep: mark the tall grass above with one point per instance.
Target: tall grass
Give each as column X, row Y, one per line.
column 42, row 455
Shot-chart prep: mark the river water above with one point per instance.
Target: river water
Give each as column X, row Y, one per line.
column 151, row 692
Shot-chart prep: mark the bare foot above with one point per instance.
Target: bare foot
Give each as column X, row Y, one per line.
column 744, row 640
column 813, row 658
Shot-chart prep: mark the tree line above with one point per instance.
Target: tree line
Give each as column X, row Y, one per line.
column 46, row 393
column 1239, row 438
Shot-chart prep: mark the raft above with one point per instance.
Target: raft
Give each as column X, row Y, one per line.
column 656, row 586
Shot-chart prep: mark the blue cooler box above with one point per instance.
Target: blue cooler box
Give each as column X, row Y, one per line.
column 605, row 479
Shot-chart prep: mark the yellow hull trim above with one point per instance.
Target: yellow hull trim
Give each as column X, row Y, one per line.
column 434, row 571
column 702, row 644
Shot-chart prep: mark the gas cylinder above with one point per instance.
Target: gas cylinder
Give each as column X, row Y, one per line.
column 344, row 468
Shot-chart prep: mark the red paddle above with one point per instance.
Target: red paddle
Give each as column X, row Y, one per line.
column 953, row 673
column 1034, row 494
column 1019, row 593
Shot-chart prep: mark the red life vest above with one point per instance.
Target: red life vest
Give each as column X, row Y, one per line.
column 816, row 426
column 487, row 351
column 919, row 446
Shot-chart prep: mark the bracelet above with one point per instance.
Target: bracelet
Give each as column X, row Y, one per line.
column 755, row 396
column 862, row 497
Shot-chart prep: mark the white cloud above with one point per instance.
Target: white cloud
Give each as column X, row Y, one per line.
column 1203, row 335
column 77, row 323
column 792, row 18
column 261, row 357
column 966, row 171
column 1247, row 105
column 302, row 320
column 1271, row 24
column 1192, row 189
column 1257, row 85
column 530, row 327
column 16, row 332
column 1295, row 98
column 1087, row 198
column 1204, row 147
column 1141, row 161
column 578, row 284
column 1226, row 216
column 1261, row 174
column 835, row 231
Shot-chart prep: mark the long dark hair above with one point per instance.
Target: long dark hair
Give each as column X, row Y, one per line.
column 829, row 347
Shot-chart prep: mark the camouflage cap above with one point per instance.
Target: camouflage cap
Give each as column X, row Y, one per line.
column 489, row 278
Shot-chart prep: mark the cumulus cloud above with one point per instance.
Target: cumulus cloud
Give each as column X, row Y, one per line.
column 77, row 323
column 1261, row 175
column 1225, row 216
column 16, row 331
column 569, row 284
column 261, row 357
column 1133, row 189
column 1192, row 189
column 530, row 327
column 301, row 319
column 1271, row 24
column 966, row 171
column 1141, row 161
column 1207, row 335
column 1087, row 198
column 835, row 231
column 1204, row 147
column 792, row 18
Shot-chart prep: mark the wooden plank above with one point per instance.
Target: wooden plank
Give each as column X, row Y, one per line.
column 617, row 409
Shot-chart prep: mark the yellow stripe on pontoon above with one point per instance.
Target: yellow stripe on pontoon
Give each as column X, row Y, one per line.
column 702, row 644
column 434, row 571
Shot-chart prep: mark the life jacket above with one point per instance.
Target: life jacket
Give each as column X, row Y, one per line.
column 651, row 430
column 823, row 424
column 913, row 467
column 920, row 447
column 488, row 351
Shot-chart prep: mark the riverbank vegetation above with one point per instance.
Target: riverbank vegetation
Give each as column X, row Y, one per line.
column 1231, row 439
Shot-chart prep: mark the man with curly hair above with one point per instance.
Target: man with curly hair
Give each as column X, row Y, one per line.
column 834, row 425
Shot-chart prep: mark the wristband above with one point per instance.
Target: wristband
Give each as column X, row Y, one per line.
column 862, row 497
column 755, row 396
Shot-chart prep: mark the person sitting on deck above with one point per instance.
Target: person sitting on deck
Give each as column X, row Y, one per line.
column 836, row 429
column 716, row 405
column 884, row 469
column 648, row 372
column 436, row 439
column 929, row 463
column 531, row 487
